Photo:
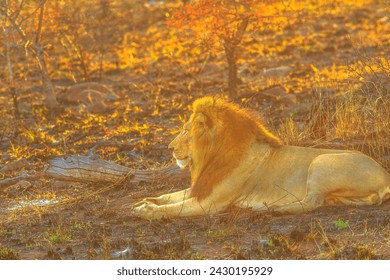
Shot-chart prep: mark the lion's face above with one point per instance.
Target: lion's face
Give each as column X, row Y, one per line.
column 181, row 146
column 191, row 146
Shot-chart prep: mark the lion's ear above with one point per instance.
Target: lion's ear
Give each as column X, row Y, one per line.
column 204, row 120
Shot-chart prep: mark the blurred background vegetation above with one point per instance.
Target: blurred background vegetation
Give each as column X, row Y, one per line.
column 317, row 70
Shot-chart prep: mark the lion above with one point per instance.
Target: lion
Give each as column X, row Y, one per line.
column 234, row 160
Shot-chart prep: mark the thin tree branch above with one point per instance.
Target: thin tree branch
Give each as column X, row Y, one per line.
column 14, row 24
column 240, row 31
column 43, row 2
column 39, row 27
column 20, row 9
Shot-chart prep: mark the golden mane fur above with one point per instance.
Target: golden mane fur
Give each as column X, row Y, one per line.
column 235, row 160
column 218, row 152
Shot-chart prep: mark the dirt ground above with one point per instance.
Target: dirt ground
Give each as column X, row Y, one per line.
column 101, row 227
column 45, row 218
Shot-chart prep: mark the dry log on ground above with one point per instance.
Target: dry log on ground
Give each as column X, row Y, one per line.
column 89, row 169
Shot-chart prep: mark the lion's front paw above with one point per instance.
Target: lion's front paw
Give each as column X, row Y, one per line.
column 148, row 210
column 152, row 200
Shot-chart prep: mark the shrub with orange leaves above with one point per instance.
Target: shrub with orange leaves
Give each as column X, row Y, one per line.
column 222, row 24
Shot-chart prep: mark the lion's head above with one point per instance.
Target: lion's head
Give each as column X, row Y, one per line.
column 214, row 140
column 182, row 147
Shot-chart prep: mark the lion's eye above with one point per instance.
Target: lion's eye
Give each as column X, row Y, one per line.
column 184, row 132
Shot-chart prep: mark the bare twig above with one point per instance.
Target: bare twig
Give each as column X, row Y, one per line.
column 39, row 27
column 14, row 180
column 43, row 2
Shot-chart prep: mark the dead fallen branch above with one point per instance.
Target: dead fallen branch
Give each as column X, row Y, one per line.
column 90, row 169
column 10, row 181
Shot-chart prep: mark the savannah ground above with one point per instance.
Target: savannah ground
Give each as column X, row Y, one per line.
column 320, row 81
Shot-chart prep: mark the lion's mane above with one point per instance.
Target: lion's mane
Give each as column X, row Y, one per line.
column 220, row 140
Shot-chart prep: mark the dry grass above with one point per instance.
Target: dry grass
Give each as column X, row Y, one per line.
column 358, row 117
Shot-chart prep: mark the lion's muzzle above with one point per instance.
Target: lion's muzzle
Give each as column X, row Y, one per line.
column 182, row 163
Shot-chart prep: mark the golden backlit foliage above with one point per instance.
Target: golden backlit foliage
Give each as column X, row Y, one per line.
column 84, row 39
column 157, row 55
column 316, row 71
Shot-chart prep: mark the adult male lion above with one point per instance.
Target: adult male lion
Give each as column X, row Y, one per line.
column 233, row 159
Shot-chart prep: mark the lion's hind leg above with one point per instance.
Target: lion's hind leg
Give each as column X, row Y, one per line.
column 342, row 179
column 310, row 202
column 348, row 178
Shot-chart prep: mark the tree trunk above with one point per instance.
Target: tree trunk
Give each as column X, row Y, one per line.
column 51, row 100
column 87, row 169
column 10, row 79
column 230, row 52
column 231, row 44
column 37, row 49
